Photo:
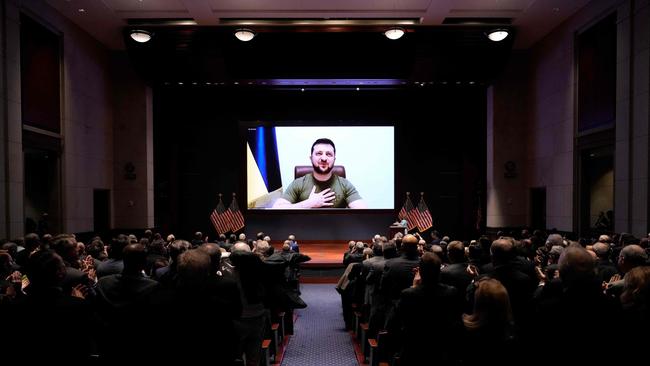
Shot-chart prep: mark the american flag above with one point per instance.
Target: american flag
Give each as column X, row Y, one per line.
column 424, row 220
column 221, row 218
column 407, row 213
column 237, row 222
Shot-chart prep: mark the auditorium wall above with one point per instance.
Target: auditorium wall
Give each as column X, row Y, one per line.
column 94, row 149
column 548, row 119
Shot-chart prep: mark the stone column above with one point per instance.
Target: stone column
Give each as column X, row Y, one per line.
column 133, row 137
column 11, row 152
column 632, row 118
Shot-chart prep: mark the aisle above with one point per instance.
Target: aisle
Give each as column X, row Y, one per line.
column 319, row 336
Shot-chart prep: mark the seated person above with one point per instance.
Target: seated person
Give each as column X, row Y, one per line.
column 321, row 188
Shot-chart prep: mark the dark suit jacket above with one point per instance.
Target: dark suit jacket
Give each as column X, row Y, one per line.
column 398, row 275
column 456, row 275
column 520, row 290
column 581, row 314
column 605, row 270
column 430, row 317
column 48, row 326
column 121, row 304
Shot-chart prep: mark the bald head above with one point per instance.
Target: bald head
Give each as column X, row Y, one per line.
column 604, row 239
column 410, row 243
column 631, row 256
column 409, row 239
column 601, row 250
column 240, row 247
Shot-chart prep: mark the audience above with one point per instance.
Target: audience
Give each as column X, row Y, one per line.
column 516, row 296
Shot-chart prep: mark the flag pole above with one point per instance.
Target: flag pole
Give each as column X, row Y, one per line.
column 408, row 198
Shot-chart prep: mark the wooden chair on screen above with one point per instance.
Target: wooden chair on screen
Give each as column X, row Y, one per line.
column 301, row 170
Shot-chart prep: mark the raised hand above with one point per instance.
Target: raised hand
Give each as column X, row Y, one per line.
column 14, row 277
column 540, row 274
column 472, row 270
column 417, row 279
column 80, row 291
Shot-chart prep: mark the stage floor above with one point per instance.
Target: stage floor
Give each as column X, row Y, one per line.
column 326, row 264
column 323, row 255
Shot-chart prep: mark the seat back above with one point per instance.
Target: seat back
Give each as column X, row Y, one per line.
column 301, row 170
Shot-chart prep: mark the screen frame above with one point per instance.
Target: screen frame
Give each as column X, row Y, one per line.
column 243, row 129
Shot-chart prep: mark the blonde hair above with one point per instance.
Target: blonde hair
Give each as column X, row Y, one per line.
column 636, row 288
column 491, row 306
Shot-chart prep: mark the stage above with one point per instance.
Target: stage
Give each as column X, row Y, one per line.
column 326, row 264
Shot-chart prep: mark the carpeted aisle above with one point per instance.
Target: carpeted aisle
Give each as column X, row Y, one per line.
column 319, row 332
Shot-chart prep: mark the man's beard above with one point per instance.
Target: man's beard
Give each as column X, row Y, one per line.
column 318, row 169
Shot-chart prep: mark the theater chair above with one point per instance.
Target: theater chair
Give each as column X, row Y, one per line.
column 378, row 348
column 300, row 170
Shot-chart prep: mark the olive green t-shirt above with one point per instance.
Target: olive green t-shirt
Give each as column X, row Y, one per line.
column 344, row 191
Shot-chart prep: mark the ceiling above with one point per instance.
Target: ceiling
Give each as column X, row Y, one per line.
column 326, row 42
column 105, row 19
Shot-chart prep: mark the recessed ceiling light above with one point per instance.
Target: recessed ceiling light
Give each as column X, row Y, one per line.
column 81, row 10
column 244, row 34
column 141, row 35
column 394, row 33
column 498, row 35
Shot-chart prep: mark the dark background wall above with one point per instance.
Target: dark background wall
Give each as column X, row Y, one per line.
column 199, row 150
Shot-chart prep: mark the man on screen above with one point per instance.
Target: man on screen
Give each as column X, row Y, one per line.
column 321, row 188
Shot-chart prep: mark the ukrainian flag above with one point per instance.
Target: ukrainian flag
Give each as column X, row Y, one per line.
column 262, row 167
